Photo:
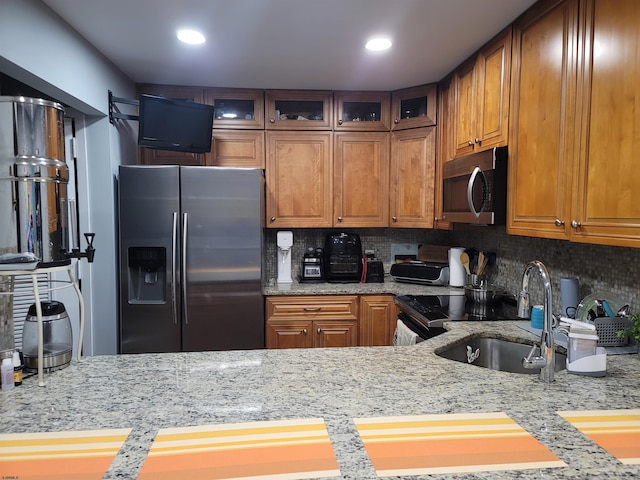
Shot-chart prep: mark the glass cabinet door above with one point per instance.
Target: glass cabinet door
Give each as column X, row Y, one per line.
column 298, row 110
column 362, row 111
column 236, row 108
column 414, row 107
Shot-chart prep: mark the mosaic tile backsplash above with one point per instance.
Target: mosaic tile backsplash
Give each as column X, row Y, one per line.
column 598, row 268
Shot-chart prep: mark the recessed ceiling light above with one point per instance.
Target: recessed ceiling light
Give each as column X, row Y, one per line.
column 378, row 44
column 191, row 37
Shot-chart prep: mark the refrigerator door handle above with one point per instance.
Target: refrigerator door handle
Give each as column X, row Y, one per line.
column 174, row 280
column 183, row 276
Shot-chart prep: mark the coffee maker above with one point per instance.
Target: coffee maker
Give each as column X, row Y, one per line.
column 313, row 265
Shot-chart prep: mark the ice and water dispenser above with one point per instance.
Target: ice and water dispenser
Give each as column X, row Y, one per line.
column 147, row 271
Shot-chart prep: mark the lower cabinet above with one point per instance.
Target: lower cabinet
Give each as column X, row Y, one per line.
column 378, row 316
column 329, row 321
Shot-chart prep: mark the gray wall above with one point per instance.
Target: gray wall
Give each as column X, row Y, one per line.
column 38, row 49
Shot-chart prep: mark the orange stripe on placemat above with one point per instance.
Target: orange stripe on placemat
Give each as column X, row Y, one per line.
column 454, row 443
column 616, row 431
column 249, row 452
column 81, row 455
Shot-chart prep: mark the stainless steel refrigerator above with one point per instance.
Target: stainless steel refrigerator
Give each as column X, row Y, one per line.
column 190, row 258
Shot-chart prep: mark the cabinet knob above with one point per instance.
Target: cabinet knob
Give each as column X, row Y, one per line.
column 272, row 120
column 319, row 331
column 437, row 219
column 575, row 224
column 470, row 143
column 559, row 223
column 304, row 331
column 394, row 219
column 273, row 219
column 340, row 122
column 339, row 219
column 395, row 120
column 477, row 140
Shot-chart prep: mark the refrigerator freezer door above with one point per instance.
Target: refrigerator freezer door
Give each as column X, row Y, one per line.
column 149, row 207
column 224, row 307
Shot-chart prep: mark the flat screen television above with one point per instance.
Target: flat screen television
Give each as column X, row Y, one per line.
column 171, row 124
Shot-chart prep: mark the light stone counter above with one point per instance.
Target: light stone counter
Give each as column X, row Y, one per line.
column 153, row 391
column 390, row 286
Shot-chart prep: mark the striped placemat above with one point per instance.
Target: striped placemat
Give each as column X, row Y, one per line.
column 286, row 449
column 451, row 443
column 616, row 431
column 81, row 455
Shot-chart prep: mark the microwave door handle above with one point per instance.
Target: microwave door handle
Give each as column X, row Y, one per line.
column 472, row 181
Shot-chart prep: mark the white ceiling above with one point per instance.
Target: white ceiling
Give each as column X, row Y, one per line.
column 298, row 44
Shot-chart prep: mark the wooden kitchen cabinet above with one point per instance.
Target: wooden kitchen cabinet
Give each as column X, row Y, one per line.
column 481, row 90
column 543, row 94
column 378, row 318
column 237, row 148
column 298, row 109
column 362, row 111
column 444, row 146
column 299, row 177
column 411, row 195
column 151, row 156
column 312, row 321
column 236, row 108
column 414, row 107
column 361, row 179
column 606, row 206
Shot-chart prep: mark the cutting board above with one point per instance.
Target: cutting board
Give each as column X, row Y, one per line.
column 286, row 449
column 450, row 444
column 616, row 431
column 73, row 455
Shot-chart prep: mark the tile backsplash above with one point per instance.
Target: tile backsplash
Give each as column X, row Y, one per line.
column 598, row 268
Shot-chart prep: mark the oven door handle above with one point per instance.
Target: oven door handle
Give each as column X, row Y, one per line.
column 472, row 180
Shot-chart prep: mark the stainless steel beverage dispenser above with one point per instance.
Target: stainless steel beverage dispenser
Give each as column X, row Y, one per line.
column 32, row 159
column 33, row 181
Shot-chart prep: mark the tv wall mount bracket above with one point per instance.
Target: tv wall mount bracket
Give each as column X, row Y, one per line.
column 114, row 112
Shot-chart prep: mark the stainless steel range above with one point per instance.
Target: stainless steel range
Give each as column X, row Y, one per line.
column 425, row 314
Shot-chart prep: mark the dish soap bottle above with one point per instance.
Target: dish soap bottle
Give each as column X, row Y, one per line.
column 6, row 372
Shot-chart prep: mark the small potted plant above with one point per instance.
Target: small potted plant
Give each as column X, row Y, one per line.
column 633, row 330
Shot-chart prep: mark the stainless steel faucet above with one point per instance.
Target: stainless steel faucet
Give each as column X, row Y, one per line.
column 547, row 359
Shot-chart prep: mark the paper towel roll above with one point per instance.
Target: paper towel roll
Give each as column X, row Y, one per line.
column 457, row 273
column 569, row 295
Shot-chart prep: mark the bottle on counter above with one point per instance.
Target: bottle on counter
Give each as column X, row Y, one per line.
column 17, row 369
column 6, row 374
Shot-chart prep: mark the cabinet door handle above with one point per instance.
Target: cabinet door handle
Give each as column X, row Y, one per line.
column 394, row 219
column 312, row 309
column 273, row 219
column 559, row 223
column 477, row 140
column 319, row 331
column 575, row 224
column 339, row 219
column 470, row 143
column 272, row 120
column 395, row 120
column 340, row 122
column 304, row 331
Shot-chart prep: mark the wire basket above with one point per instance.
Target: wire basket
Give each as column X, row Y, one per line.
column 607, row 328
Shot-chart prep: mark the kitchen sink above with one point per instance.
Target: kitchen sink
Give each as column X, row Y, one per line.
column 495, row 354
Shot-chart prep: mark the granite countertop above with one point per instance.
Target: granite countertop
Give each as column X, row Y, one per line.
column 147, row 392
column 389, row 286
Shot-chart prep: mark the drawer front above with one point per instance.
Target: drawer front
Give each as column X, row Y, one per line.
column 314, row 307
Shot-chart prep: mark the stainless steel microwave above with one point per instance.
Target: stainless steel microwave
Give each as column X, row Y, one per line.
column 474, row 188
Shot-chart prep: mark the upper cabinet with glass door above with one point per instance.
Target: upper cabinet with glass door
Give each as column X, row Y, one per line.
column 236, row 108
column 362, row 111
column 414, row 107
column 298, row 110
